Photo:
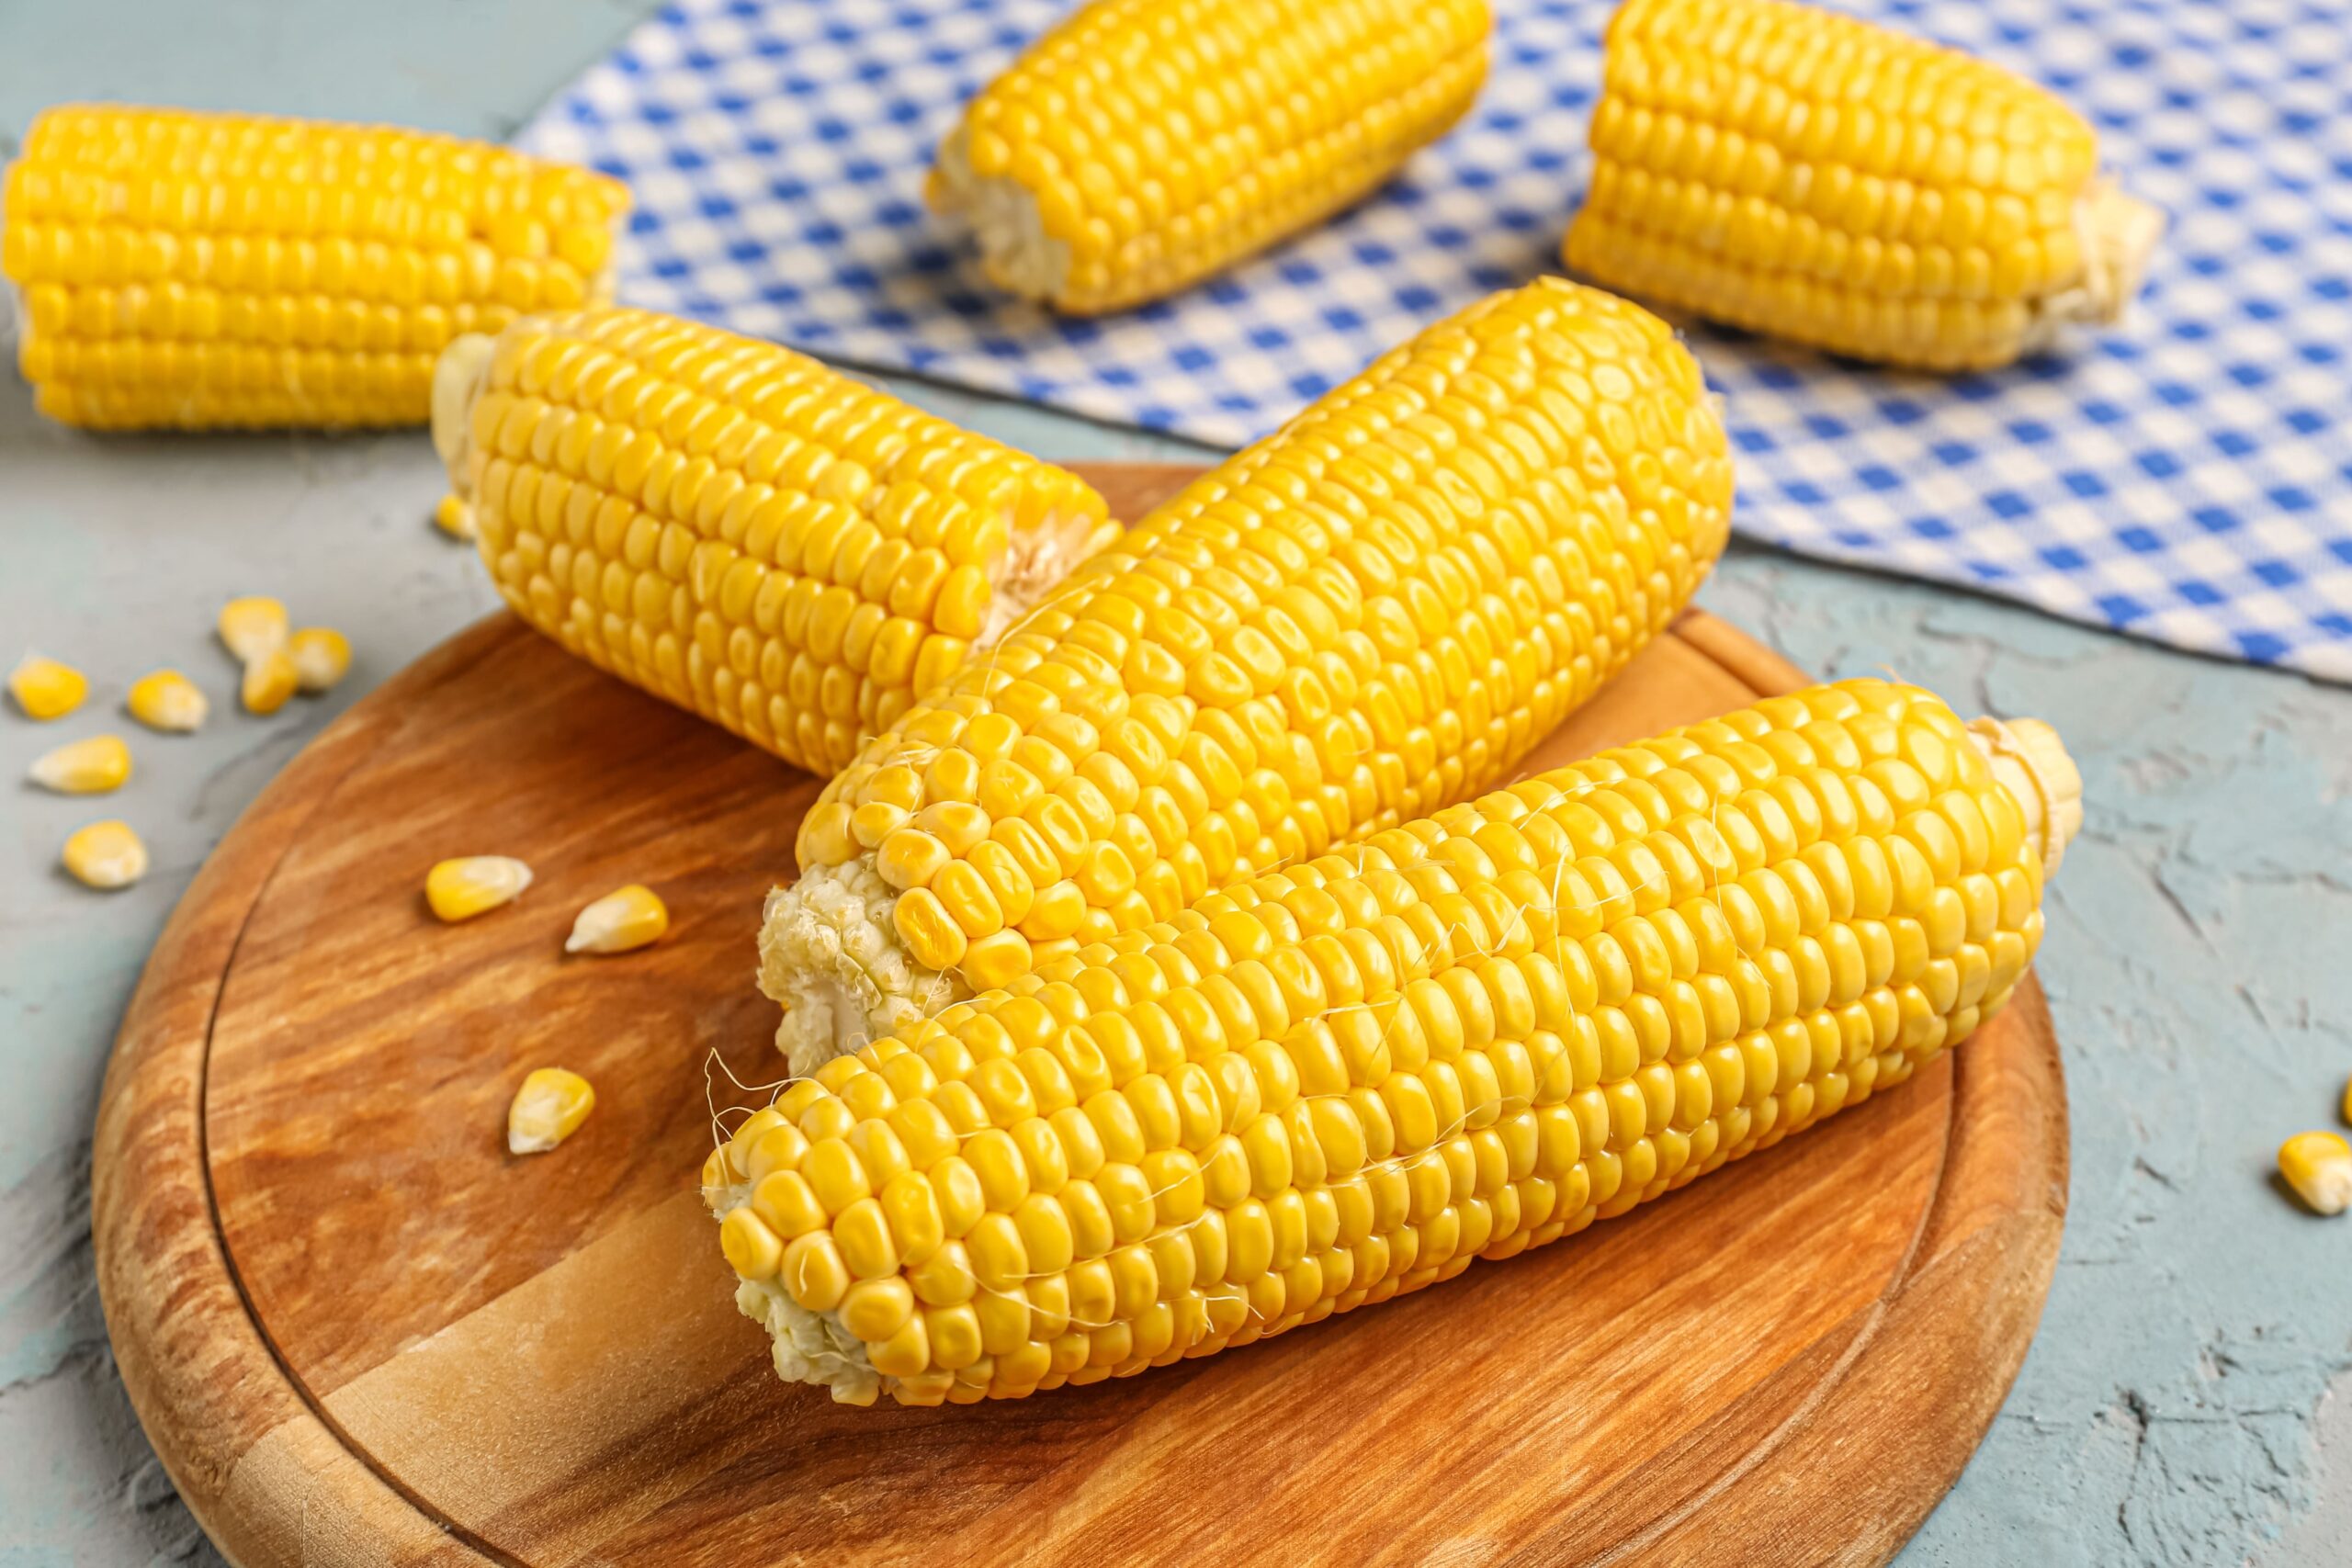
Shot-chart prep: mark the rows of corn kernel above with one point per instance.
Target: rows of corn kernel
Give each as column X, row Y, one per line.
column 1471, row 1034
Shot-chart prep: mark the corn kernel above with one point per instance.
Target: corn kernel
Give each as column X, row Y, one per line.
column 253, row 627
column 461, row 889
column 106, row 855
column 268, row 681
column 2318, row 1166
column 321, row 658
column 169, row 701
column 455, row 518
column 547, row 1109
column 630, row 917
column 46, row 689
column 83, row 767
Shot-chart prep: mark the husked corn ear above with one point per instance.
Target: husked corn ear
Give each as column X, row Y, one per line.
column 46, row 689
column 2318, row 1166
column 1142, row 145
column 461, row 889
column 253, row 627
column 1803, row 173
column 196, row 270
column 547, row 1109
column 621, row 922
column 168, row 701
column 95, row 766
column 1370, row 613
column 321, row 657
column 1467, row 1037
column 738, row 529
column 106, row 855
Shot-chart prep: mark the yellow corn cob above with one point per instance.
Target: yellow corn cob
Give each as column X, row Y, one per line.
column 741, row 530
column 1144, row 145
column 1370, row 613
column 1803, row 173
column 196, row 270
column 1462, row 1038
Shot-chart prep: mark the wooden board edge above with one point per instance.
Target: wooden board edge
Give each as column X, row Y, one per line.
column 241, row 1442
column 1965, row 1307
column 251, row 1456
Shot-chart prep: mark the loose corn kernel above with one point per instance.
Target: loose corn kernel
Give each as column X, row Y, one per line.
column 106, row 855
column 189, row 270
column 268, row 681
column 455, row 518
column 253, row 627
column 321, row 657
column 169, row 701
column 1064, row 167
column 1793, row 171
column 46, row 689
column 630, row 917
column 2318, row 1166
column 94, row 766
column 1351, row 1077
column 547, row 1109
column 2347, row 1102
column 461, row 889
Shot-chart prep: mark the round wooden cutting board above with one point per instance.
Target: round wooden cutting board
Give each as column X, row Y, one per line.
column 361, row 1334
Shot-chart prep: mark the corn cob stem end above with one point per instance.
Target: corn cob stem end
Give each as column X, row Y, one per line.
column 459, row 376
column 2118, row 233
column 1016, row 254
column 2031, row 763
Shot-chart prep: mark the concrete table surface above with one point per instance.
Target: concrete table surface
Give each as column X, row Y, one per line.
column 2177, row 1405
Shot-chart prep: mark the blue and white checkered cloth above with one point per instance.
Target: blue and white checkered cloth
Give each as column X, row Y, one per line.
column 2187, row 478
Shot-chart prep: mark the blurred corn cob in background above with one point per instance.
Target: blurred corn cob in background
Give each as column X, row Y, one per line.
column 1467, row 1037
column 1142, row 145
column 1366, row 615
column 1803, row 174
column 196, row 270
column 737, row 528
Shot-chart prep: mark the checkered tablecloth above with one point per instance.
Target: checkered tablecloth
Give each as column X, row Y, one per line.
column 2187, row 478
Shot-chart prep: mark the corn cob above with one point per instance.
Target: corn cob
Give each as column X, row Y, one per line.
column 741, row 530
column 1144, row 145
column 196, row 270
column 1805, row 175
column 1368, row 615
column 1465, row 1037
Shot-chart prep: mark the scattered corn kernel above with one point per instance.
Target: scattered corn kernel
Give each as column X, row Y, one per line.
column 2318, row 1166
column 46, row 689
column 168, row 700
column 2347, row 1102
column 321, row 656
column 461, row 889
column 253, row 627
column 268, row 681
column 630, row 917
column 83, row 767
column 455, row 518
column 547, row 1109
column 106, row 855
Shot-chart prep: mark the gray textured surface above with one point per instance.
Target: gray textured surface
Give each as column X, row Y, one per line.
column 2175, row 1409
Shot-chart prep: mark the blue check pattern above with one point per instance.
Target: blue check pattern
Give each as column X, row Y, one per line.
column 2187, row 478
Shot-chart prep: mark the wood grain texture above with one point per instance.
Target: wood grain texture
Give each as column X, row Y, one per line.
column 359, row 1333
